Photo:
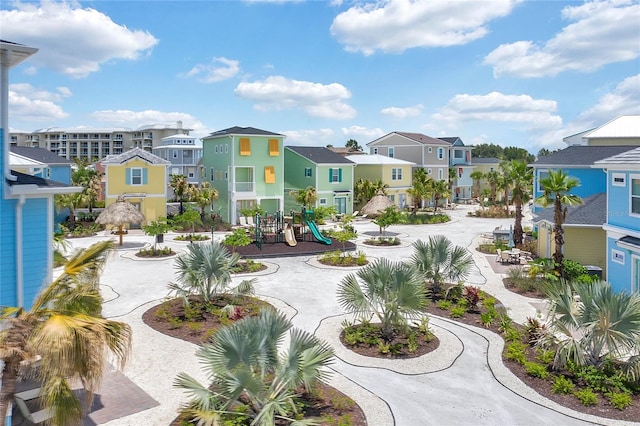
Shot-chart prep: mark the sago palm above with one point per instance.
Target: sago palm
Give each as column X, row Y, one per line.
column 65, row 329
column 592, row 324
column 439, row 260
column 392, row 292
column 246, row 368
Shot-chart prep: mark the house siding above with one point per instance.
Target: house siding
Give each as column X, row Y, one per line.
column 618, row 202
column 586, row 246
column 619, row 275
column 592, row 181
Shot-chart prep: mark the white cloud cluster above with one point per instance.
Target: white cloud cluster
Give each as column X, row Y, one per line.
column 499, row 107
column 316, row 137
column 72, row 40
column 400, row 113
column 316, row 99
column 362, row 134
column 135, row 119
column 26, row 103
column 601, row 32
column 623, row 100
column 220, row 69
column 393, row 26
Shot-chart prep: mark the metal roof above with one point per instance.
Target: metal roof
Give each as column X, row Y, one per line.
column 378, row 159
column 625, row 126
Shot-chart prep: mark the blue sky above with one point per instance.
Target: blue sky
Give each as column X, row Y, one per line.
column 513, row 73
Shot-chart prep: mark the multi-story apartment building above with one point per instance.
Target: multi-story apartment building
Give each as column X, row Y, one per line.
column 150, row 136
column 184, row 153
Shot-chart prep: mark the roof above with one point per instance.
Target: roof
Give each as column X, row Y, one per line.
column 631, row 157
column 236, row 130
column 578, row 155
column 26, row 184
column 132, row 153
column 19, row 52
column 592, row 211
column 625, row 126
column 179, row 136
column 378, row 159
column 343, row 150
column 423, row 139
column 485, row 160
column 26, row 179
column 40, row 154
column 319, row 155
column 81, row 129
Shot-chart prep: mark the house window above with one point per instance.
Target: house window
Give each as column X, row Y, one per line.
column 440, row 153
column 211, row 171
column 274, row 148
column 635, row 196
column 226, row 175
column 375, row 150
column 190, row 174
column 216, row 150
column 392, row 197
column 245, row 146
column 47, row 173
column 618, row 179
column 136, row 176
column 542, row 174
column 307, row 172
column 429, row 171
column 460, row 171
column 226, row 149
column 323, row 201
column 430, row 150
column 617, row 256
column 269, row 174
column 175, row 153
column 391, row 152
column 335, row 175
column 396, row 174
column 458, row 153
column 440, row 174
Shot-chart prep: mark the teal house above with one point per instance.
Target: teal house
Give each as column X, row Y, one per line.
column 246, row 166
column 329, row 173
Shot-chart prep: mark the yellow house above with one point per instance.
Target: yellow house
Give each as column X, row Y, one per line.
column 396, row 173
column 141, row 178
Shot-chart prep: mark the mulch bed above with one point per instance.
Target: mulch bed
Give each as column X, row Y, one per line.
column 302, row 248
column 424, row 346
column 535, row 294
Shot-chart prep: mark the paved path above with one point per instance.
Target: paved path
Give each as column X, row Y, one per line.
column 471, row 385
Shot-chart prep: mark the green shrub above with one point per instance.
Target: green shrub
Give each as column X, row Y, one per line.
column 457, row 311
column 513, row 335
column 620, row 400
column 562, row 385
column 488, row 317
column 536, row 370
column 587, row 397
column 515, row 352
column 445, row 305
column 545, row 356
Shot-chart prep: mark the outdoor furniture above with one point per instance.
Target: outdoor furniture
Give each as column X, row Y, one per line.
column 505, row 257
column 34, row 417
column 250, row 221
column 498, row 255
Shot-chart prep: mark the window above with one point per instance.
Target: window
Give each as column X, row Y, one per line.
column 323, row 201
column 460, row 170
column 430, row 150
column 226, row 175
column 190, row 174
column 216, row 149
column 635, row 195
column 440, row 174
column 429, row 171
column 307, row 172
column 542, row 174
column 245, row 146
column 392, row 198
column 458, row 153
column 440, row 153
column 136, row 176
column 211, row 174
column 375, row 150
column 335, row 175
column 226, row 149
column 396, row 174
column 617, row 256
column 175, row 153
column 391, row 152
column 274, row 148
column 269, row 174
column 618, row 179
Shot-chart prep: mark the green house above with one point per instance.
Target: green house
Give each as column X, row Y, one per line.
column 246, row 166
column 330, row 173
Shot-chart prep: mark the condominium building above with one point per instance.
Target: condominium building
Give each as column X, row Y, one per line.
column 184, row 153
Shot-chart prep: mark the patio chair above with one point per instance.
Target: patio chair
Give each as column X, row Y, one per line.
column 34, row 417
column 505, row 257
column 250, row 221
column 498, row 255
column 242, row 220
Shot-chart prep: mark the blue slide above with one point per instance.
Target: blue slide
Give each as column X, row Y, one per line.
column 316, row 232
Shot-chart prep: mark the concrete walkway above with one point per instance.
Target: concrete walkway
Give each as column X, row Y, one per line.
column 463, row 382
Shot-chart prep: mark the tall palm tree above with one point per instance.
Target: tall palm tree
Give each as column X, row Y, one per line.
column 247, row 370
column 393, row 292
column 521, row 178
column 306, row 197
column 557, row 189
column 592, row 324
column 204, row 196
column 68, row 201
column 493, row 179
column 504, row 184
column 420, row 189
column 477, row 176
column 180, row 186
column 439, row 190
column 65, row 328
column 439, row 260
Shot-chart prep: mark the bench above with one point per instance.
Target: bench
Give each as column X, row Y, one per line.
column 35, row 417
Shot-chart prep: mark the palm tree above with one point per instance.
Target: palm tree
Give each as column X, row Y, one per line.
column 306, row 197
column 204, row 196
column 205, row 271
column 557, row 189
column 420, row 189
column 521, row 178
column 247, row 370
column 504, row 184
column 392, row 292
column 477, row 176
column 493, row 179
column 68, row 201
column 592, row 325
column 180, row 186
column 65, row 328
column 440, row 190
column 439, row 260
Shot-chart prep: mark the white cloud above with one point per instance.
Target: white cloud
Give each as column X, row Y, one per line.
column 623, row 100
column 316, row 99
column 219, row 70
column 72, row 41
column 396, row 25
column 601, row 32
column 401, row 113
column 314, row 137
column 135, row 119
column 363, row 135
column 28, row 104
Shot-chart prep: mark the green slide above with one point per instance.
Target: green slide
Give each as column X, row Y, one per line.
column 316, row 232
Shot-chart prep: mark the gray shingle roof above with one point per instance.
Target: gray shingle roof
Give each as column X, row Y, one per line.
column 485, row 160
column 628, row 157
column 236, row 130
column 135, row 152
column 40, row 154
column 25, row 179
column 319, row 155
column 592, row 211
column 580, row 155
column 423, row 139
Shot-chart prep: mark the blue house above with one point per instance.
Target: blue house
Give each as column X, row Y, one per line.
column 26, row 209
column 40, row 162
column 623, row 219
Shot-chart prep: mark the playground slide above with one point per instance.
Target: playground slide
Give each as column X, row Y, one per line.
column 289, row 237
column 316, row 232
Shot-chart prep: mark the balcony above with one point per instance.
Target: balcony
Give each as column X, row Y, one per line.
column 244, row 187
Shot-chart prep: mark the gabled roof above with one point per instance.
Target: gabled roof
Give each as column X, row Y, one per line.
column 251, row 131
column 577, row 155
column 40, row 155
column 28, row 184
column 378, row 159
column 625, row 126
column 455, row 140
column 133, row 153
column 319, row 154
column 415, row 137
column 485, row 160
column 631, row 157
column 592, row 211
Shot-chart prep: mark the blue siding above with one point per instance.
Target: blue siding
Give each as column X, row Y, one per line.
column 619, row 275
column 7, row 248
column 592, row 181
column 618, row 205
column 36, row 244
column 61, row 174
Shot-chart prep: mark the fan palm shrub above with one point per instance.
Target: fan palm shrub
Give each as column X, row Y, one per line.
column 392, row 292
column 247, row 370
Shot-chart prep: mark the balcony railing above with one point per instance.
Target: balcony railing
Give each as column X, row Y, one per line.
column 244, row 187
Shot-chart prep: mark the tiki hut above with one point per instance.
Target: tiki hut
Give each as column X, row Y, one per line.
column 119, row 214
column 377, row 204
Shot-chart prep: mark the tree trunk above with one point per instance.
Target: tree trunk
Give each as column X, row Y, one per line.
column 9, row 378
column 517, row 227
column 558, row 235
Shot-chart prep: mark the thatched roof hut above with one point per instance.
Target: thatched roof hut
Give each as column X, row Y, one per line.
column 119, row 214
column 377, row 204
